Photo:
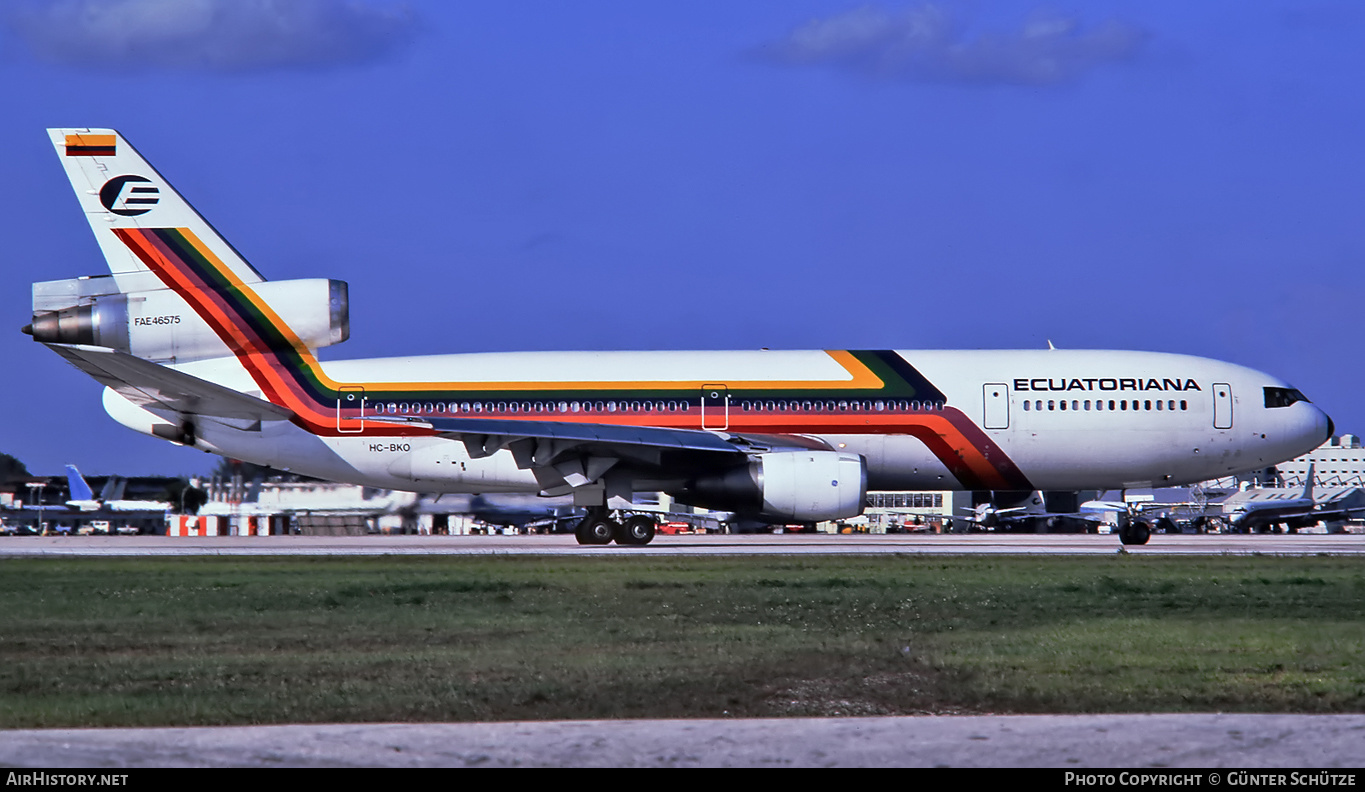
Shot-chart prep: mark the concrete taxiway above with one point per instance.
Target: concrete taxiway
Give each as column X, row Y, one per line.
column 695, row 545
column 1168, row 742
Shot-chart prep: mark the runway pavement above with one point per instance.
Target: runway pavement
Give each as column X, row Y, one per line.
column 1240, row 743
column 700, row 545
column 1070, row 742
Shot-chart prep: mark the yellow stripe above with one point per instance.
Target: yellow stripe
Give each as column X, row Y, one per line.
column 860, row 376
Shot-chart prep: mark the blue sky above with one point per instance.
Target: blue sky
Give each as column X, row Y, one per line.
column 509, row 175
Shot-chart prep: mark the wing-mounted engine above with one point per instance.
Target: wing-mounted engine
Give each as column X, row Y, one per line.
column 791, row 486
column 136, row 314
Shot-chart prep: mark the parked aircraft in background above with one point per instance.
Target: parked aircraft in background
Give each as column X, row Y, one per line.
column 1258, row 510
column 521, row 511
column 197, row 347
column 1033, row 516
column 111, row 496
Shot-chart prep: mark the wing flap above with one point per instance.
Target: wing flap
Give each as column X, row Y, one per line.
column 148, row 384
column 573, row 432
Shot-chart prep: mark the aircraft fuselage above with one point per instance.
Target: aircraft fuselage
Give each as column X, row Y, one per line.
column 981, row 420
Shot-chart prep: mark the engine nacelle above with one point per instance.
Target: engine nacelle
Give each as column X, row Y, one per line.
column 790, row 486
column 156, row 324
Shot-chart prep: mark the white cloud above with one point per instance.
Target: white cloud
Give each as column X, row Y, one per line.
column 211, row 35
column 927, row 44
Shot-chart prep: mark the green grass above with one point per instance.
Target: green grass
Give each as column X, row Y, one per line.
column 94, row 642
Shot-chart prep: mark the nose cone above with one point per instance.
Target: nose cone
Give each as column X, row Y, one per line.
column 1317, row 426
column 1293, row 431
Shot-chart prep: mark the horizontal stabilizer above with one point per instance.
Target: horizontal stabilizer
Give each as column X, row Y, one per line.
column 149, row 385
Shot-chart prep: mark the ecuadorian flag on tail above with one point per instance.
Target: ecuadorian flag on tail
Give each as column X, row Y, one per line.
column 91, row 145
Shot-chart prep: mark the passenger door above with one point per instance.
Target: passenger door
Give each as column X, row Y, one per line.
column 715, row 407
column 1222, row 405
column 351, row 402
column 997, row 400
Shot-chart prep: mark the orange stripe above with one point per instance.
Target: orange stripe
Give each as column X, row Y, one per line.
column 90, row 140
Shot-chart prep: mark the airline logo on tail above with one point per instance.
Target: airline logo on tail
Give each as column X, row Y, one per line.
column 129, row 196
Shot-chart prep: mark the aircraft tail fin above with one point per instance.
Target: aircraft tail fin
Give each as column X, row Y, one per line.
column 177, row 291
column 80, row 491
column 114, row 488
column 1308, row 483
column 119, row 191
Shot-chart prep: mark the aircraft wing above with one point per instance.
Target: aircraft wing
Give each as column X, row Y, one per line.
column 1005, row 517
column 151, row 385
column 565, row 455
column 1338, row 513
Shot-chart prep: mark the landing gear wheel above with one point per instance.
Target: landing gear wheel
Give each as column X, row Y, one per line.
column 1136, row 533
column 636, row 531
column 595, row 531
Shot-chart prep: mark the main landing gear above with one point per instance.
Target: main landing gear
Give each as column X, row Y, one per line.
column 598, row 529
column 1134, row 532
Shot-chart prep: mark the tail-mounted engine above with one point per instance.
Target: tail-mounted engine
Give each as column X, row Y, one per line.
column 135, row 313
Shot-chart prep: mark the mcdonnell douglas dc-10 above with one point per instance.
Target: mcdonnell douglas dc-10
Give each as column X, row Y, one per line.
column 197, row 347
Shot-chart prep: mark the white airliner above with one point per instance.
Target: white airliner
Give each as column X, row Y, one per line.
column 110, row 499
column 197, row 347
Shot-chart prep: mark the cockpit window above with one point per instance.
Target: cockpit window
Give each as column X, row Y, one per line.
column 1282, row 397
